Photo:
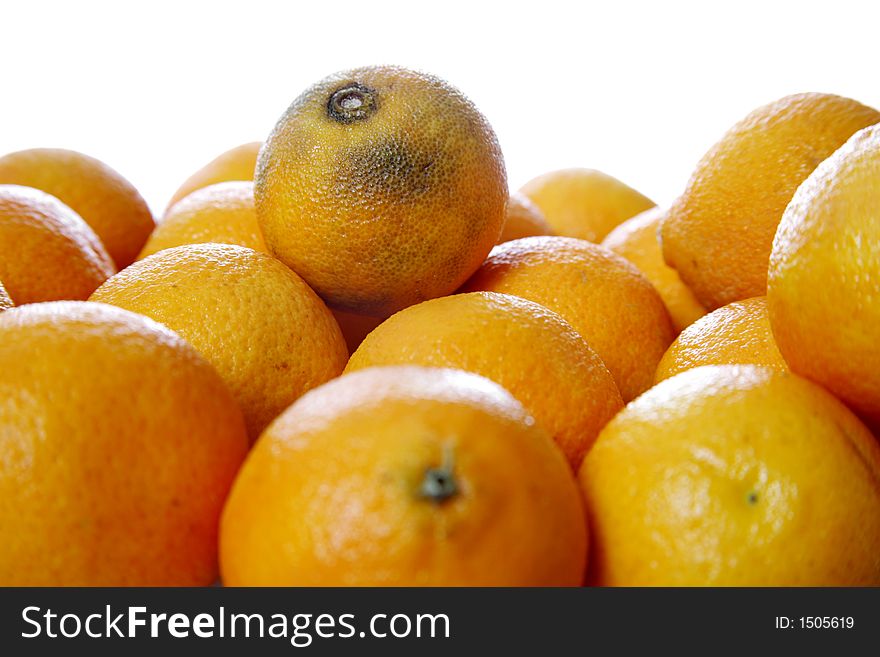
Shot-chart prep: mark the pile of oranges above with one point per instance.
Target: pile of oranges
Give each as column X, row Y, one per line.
column 350, row 356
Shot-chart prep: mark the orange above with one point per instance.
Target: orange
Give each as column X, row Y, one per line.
column 221, row 213
column 584, row 203
column 269, row 336
column 404, row 476
column 736, row 334
column 637, row 240
column 603, row 296
column 734, row 475
column 102, row 197
column 526, row 348
column 5, row 301
column 235, row 164
column 118, row 443
column 523, row 219
column 355, row 327
column 718, row 234
column 381, row 187
column 824, row 289
column 48, row 252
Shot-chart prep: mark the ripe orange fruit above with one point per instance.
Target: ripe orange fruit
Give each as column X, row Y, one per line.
column 221, row 213
column 104, row 199
column 718, row 234
column 824, row 290
column 381, row 187
column 269, row 336
column 584, row 203
column 603, row 296
column 636, row 239
column 734, row 475
column 5, row 301
column 48, row 252
column 119, row 444
column 523, row 219
column 404, row 476
column 736, row 334
column 235, row 164
column 526, row 348
column 355, row 327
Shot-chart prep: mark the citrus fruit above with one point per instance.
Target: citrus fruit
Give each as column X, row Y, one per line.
column 526, row 348
column 355, row 327
column 824, row 289
column 48, row 252
column 269, row 336
column 523, row 219
column 221, row 213
column 5, row 301
column 603, row 296
column 736, row 334
column 636, row 239
column 718, row 234
column 404, row 476
column 104, row 199
column 235, row 164
column 734, row 475
column 381, row 187
column 118, row 443
column 584, row 203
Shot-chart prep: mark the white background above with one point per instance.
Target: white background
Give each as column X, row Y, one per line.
column 637, row 89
